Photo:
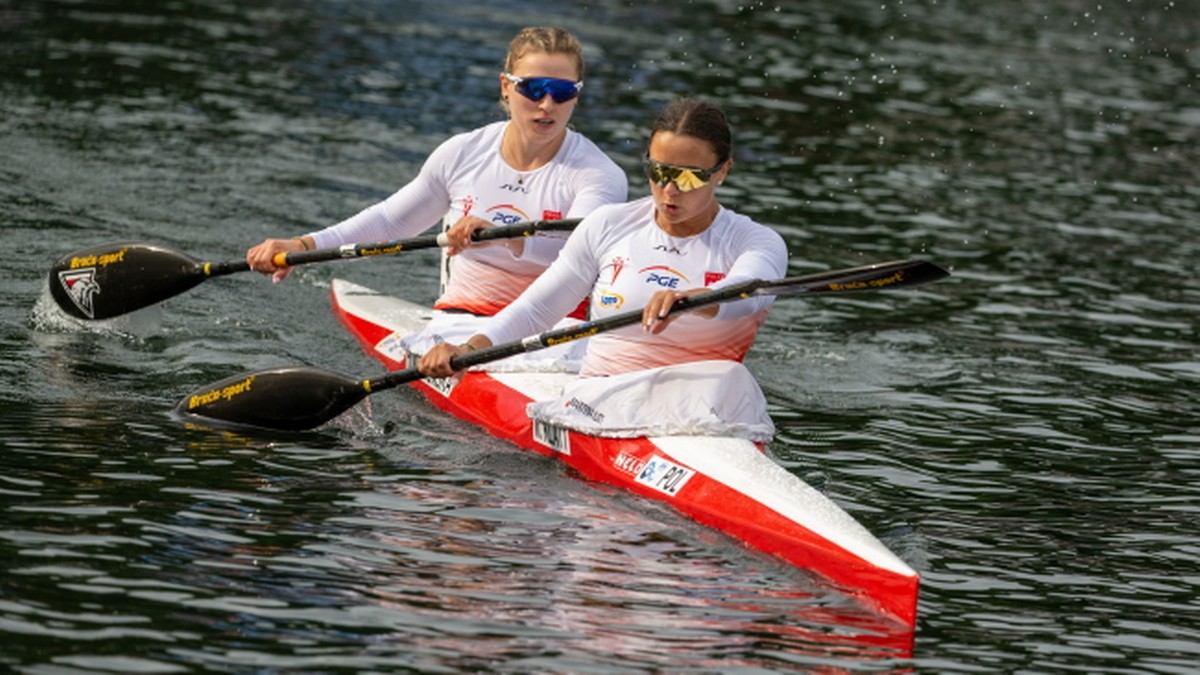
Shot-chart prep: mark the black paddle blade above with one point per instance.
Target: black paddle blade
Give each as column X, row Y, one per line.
column 924, row 272
column 109, row 280
column 877, row 277
column 284, row 399
column 881, row 277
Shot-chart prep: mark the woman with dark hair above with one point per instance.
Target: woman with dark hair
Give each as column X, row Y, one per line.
column 528, row 167
column 649, row 253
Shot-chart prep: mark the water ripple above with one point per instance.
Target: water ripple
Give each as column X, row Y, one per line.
column 1023, row 433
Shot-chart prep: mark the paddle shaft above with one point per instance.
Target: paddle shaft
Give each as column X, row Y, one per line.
column 112, row 279
column 527, row 229
column 299, row 398
column 871, row 277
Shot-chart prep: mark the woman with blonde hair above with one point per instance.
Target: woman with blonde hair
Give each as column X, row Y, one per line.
column 530, row 166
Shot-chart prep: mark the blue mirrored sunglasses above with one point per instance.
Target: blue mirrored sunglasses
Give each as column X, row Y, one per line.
column 536, row 88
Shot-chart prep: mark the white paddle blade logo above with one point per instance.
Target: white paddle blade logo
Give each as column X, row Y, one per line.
column 81, row 287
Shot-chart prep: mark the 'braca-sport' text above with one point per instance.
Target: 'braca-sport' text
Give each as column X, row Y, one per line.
column 372, row 250
column 103, row 260
column 873, row 283
column 223, row 394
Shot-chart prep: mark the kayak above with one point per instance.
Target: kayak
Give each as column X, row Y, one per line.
column 724, row 482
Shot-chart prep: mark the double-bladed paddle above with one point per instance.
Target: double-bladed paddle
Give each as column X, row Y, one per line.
column 298, row 398
column 109, row 280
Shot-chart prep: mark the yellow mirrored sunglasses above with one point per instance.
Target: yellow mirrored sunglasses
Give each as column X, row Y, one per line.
column 685, row 178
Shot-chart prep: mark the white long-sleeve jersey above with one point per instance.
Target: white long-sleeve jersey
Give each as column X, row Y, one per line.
column 620, row 256
column 466, row 175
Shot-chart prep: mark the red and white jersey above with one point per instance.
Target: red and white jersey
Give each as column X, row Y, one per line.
column 620, row 257
column 466, row 175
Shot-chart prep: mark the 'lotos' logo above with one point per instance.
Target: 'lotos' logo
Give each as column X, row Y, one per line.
column 610, row 300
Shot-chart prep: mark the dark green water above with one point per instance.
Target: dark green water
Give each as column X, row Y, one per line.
column 1025, row 434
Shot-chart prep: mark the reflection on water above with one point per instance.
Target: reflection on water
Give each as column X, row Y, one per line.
column 216, row 552
column 1024, row 433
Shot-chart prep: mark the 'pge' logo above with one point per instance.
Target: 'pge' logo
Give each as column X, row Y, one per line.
column 506, row 218
column 663, row 280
